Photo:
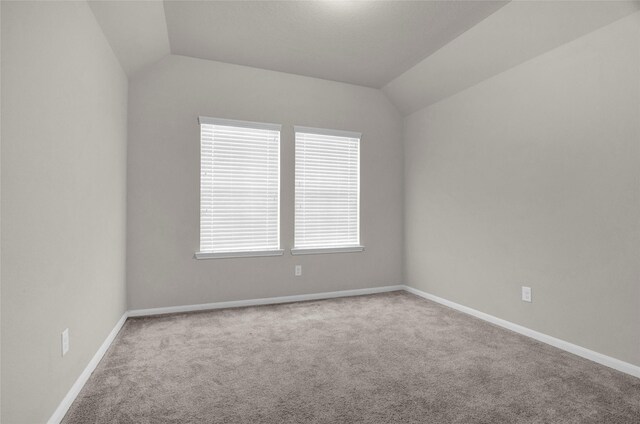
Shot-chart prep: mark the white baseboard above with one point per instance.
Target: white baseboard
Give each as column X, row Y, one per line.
column 608, row 361
column 600, row 358
column 64, row 406
column 263, row 301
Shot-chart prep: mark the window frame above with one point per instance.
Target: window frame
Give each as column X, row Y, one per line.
column 359, row 247
column 279, row 251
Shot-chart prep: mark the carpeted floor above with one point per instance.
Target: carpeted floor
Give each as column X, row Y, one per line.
column 388, row 358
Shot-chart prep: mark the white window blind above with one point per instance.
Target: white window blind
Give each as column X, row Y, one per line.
column 239, row 187
column 327, row 190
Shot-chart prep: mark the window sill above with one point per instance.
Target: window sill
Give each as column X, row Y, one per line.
column 247, row 254
column 327, row 250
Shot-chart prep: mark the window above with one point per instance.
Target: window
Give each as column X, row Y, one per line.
column 327, row 191
column 239, row 189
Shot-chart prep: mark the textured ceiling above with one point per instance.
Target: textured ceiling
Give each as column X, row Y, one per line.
column 359, row 42
column 418, row 52
column 516, row 33
column 136, row 30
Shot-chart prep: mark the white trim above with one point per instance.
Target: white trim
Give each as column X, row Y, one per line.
column 605, row 360
column 245, row 254
column 70, row 397
column 64, row 406
column 322, row 250
column 325, row 131
column 263, row 301
column 235, row 123
column 591, row 355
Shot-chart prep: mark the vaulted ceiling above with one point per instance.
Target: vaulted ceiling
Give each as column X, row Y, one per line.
column 364, row 43
column 418, row 52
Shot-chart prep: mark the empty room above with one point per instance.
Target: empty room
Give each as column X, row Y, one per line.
column 320, row 212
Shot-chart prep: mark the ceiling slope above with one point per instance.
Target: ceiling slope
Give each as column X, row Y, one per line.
column 359, row 42
column 514, row 34
column 136, row 31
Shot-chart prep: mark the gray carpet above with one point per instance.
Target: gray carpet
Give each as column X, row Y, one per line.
column 388, row 358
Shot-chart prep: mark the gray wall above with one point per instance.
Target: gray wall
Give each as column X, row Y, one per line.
column 163, row 182
column 532, row 178
column 64, row 103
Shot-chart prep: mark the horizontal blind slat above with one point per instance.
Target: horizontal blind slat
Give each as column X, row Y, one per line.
column 239, row 188
column 327, row 191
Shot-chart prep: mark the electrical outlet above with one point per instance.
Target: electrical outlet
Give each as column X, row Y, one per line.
column 298, row 270
column 65, row 342
column 526, row 294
